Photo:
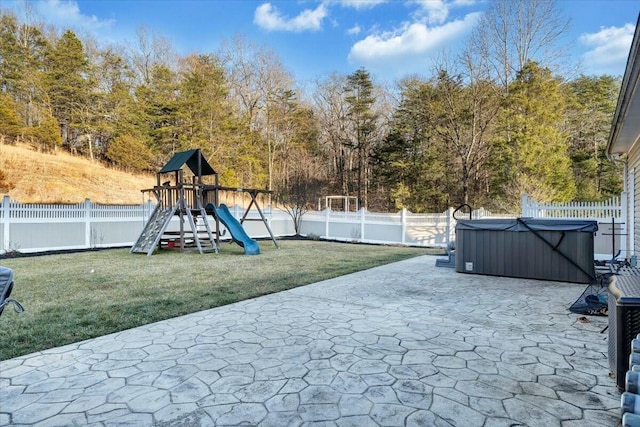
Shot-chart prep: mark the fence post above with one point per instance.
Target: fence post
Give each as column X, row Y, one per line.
column 147, row 209
column 5, row 215
column 327, row 211
column 403, row 224
column 87, row 223
column 450, row 225
column 362, row 220
column 524, row 206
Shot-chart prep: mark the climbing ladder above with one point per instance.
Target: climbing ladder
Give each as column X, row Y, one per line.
column 152, row 232
column 205, row 229
column 196, row 232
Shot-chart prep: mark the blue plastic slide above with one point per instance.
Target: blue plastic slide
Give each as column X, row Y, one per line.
column 235, row 229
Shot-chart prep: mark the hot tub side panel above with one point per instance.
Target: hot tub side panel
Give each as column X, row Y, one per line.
column 523, row 254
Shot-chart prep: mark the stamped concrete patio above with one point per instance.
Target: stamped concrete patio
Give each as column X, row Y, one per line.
column 406, row 344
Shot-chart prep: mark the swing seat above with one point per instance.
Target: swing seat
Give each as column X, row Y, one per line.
column 6, row 286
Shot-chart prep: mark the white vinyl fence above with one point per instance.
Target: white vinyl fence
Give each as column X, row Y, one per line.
column 600, row 211
column 32, row 228
column 611, row 215
column 29, row 228
column 403, row 228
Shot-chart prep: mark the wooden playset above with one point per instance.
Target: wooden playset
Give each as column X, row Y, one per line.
column 196, row 203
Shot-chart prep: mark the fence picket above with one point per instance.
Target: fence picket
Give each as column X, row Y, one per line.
column 607, row 209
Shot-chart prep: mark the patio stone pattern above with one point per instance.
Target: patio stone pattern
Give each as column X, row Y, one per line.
column 406, row 344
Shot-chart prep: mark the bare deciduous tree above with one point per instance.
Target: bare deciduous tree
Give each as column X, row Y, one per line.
column 150, row 49
column 514, row 32
column 258, row 80
column 304, row 185
column 331, row 111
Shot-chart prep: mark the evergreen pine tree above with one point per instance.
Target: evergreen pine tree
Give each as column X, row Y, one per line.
column 540, row 165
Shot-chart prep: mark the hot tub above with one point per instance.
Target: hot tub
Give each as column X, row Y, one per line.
column 546, row 249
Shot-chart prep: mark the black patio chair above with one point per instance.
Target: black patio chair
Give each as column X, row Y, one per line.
column 6, row 286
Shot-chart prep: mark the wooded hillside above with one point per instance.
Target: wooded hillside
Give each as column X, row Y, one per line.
column 60, row 177
column 481, row 127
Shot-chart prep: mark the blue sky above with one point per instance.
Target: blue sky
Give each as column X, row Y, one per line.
column 390, row 38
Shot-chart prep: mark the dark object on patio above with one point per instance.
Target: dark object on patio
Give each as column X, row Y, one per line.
column 545, row 249
column 624, row 321
column 593, row 300
column 451, row 257
column 6, row 286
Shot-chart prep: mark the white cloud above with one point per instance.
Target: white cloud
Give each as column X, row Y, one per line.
column 608, row 49
column 432, row 11
column 358, row 4
column 465, row 2
column 270, row 18
column 415, row 39
column 66, row 13
column 437, row 11
column 355, row 30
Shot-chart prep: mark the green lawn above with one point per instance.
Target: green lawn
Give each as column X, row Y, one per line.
column 73, row 297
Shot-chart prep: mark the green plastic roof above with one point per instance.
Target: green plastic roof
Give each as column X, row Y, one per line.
column 191, row 158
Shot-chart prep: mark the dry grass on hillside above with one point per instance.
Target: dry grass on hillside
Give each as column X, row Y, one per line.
column 63, row 178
